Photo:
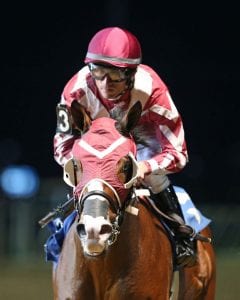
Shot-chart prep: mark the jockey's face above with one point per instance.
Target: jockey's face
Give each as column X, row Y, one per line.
column 109, row 89
column 110, row 81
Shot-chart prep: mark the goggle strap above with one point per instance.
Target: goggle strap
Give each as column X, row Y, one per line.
column 129, row 61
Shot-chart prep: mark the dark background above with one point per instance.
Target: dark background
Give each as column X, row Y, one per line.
column 193, row 48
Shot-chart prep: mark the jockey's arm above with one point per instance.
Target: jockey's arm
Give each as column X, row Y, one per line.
column 66, row 134
column 67, row 131
column 62, row 145
column 170, row 136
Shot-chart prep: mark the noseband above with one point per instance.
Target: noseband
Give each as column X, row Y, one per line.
column 116, row 206
column 97, row 193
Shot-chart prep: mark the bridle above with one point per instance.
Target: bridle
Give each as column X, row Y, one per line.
column 114, row 202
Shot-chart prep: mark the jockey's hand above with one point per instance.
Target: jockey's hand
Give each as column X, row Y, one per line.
column 143, row 170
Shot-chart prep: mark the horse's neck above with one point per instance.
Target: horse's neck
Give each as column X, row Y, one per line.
column 135, row 228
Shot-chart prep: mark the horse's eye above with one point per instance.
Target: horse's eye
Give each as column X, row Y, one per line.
column 124, row 169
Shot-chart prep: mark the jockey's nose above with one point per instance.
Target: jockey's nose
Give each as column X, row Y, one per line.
column 106, row 79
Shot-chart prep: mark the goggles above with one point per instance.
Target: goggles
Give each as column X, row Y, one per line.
column 99, row 72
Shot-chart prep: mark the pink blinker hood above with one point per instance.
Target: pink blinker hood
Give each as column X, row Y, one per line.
column 99, row 151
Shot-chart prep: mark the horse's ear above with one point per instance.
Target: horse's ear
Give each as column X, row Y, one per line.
column 80, row 117
column 132, row 117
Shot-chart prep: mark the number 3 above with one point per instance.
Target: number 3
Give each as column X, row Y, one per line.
column 64, row 123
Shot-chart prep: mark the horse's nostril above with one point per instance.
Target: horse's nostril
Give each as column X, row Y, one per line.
column 81, row 230
column 105, row 229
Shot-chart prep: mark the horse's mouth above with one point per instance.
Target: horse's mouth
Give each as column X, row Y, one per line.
column 94, row 239
column 92, row 247
column 93, row 254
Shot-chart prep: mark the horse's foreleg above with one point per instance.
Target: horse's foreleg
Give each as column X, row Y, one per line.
column 53, row 281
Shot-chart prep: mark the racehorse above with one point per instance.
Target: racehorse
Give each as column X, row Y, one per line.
column 117, row 248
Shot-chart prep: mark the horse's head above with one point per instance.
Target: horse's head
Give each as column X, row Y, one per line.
column 104, row 158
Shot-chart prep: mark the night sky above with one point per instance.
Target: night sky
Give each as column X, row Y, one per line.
column 194, row 49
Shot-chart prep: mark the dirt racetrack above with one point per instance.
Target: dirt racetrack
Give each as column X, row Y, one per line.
column 33, row 280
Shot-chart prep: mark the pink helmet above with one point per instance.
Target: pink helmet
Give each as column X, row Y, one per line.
column 114, row 46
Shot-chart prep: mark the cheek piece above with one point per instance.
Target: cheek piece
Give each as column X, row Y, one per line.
column 133, row 180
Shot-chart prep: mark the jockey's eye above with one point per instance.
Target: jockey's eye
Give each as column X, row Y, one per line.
column 99, row 72
column 124, row 169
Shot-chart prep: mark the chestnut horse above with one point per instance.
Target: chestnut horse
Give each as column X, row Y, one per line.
column 117, row 248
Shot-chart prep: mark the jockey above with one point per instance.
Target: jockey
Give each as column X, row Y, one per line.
column 114, row 77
